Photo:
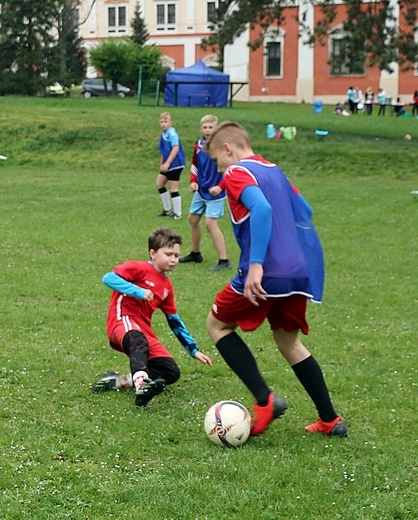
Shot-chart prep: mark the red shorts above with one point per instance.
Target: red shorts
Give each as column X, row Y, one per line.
column 286, row 313
column 116, row 335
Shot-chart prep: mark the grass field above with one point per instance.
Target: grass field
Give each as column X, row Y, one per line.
column 78, row 196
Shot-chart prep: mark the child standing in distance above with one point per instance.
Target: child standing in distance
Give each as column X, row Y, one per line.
column 171, row 166
column 139, row 288
column 203, row 176
column 280, row 268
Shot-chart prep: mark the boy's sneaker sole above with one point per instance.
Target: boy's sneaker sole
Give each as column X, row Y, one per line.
column 338, row 428
column 264, row 415
column 149, row 390
column 106, row 383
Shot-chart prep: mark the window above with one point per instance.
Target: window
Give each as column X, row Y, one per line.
column 116, row 19
column 273, row 52
column 343, row 60
column 166, row 17
column 274, row 59
column 210, row 11
column 416, row 62
column 76, row 19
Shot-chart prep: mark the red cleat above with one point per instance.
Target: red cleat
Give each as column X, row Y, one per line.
column 264, row 415
column 336, row 427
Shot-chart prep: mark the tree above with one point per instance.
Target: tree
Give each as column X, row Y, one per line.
column 370, row 27
column 67, row 63
column 25, row 45
column 140, row 34
column 30, row 55
column 109, row 57
column 120, row 60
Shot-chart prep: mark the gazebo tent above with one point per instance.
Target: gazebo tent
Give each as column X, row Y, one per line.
column 211, row 88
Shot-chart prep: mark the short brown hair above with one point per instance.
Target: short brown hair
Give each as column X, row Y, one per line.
column 163, row 237
column 231, row 132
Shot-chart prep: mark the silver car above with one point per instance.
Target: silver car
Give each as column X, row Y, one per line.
column 95, row 87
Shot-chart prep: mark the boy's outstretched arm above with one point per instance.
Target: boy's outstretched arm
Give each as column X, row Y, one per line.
column 179, row 329
column 119, row 284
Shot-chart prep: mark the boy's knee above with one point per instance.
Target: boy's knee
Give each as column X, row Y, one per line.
column 134, row 339
column 171, row 371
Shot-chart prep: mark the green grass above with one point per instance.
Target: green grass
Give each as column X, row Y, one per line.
column 78, row 196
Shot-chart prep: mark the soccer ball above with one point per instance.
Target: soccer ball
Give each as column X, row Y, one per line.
column 407, row 137
column 228, row 423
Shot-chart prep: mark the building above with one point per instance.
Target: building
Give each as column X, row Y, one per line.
column 282, row 69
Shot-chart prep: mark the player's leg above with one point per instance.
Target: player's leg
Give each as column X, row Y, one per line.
column 236, row 310
column 173, row 186
column 164, row 195
column 214, row 211
column 287, row 317
column 164, row 368
column 197, row 208
column 238, row 357
column 136, row 346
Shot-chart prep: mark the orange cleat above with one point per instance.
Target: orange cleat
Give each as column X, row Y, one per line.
column 264, row 415
column 336, row 427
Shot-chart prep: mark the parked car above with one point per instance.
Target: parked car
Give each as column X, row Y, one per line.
column 57, row 90
column 95, row 87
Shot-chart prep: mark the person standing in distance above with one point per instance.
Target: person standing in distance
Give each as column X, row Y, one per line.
column 171, row 165
column 203, row 176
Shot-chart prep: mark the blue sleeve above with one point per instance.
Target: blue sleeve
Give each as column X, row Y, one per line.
column 306, row 205
column 182, row 334
column 117, row 283
column 173, row 137
column 260, row 222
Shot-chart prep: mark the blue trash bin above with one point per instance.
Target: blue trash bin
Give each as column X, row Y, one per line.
column 317, row 107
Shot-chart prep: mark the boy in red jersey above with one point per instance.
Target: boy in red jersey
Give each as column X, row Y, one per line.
column 280, row 268
column 139, row 288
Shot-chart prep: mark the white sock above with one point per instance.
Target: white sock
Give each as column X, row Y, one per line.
column 166, row 200
column 177, row 204
column 124, row 381
column 138, row 379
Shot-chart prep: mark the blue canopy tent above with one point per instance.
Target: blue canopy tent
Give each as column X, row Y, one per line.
column 208, row 87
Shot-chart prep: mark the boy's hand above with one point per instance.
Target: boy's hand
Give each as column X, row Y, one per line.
column 149, row 296
column 164, row 167
column 215, row 190
column 193, row 186
column 252, row 287
column 203, row 358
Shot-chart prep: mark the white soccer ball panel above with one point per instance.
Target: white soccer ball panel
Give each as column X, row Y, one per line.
column 228, row 423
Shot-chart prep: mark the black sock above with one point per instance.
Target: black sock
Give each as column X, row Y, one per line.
column 223, row 261
column 240, row 359
column 310, row 375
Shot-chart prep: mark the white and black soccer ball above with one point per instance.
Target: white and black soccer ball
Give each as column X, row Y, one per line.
column 228, row 423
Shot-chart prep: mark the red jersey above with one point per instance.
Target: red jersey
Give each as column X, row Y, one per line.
column 142, row 274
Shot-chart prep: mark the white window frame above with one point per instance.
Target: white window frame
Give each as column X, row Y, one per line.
column 118, row 28
column 274, row 35
column 165, row 25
